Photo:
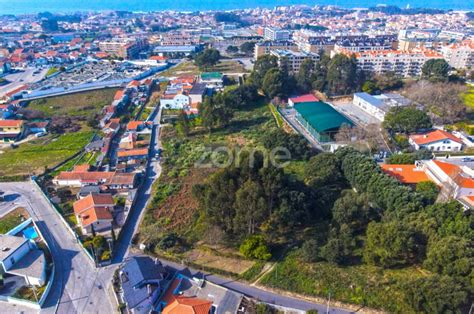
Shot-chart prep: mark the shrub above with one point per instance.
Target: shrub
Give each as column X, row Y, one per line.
column 310, row 251
column 106, row 255
column 255, row 247
column 168, row 241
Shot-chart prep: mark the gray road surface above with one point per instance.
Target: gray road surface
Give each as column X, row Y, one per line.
column 78, row 286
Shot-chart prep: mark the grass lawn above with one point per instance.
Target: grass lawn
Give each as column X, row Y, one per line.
column 75, row 105
column 51, row 71
column 13, row 219
column 468, row 98
column 361, row 284
column 47, row 151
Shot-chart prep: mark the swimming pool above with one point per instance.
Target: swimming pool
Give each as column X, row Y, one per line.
column 30, row 233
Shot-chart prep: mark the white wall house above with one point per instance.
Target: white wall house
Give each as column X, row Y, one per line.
column 436, row 140
column 369, row 104
column 455, row 181
column 20, row 257
column 178, row 101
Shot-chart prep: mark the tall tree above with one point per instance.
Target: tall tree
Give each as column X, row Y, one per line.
column 435, row 70
column 342, row 77
column 406, row 120
column 182, row 124
column 275, row 83
column 261, row 67
column 207, row 58
column 303, row 78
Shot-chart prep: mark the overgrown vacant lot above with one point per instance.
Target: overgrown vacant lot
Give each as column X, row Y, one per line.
column 360, row 284
column 468, row 98
column 32, row 157
column 13, row 219
column 173, row 208
column 74, row 105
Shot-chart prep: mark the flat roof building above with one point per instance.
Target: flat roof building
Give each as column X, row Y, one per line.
column 320, row 119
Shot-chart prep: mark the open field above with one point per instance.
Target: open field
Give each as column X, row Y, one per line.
column 360, row 284
column 13, row 219
column 184, row 68
column 32, row 157
column 469, row 98
column 212, row 258
column 74, row 105
column 229, row 66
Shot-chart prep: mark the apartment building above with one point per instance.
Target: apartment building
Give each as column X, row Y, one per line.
column 403, row 63
column 265, row 47
column 125, row 48
column 276, row 34
column 459, row 56
column 364, row 43
column 294, row 59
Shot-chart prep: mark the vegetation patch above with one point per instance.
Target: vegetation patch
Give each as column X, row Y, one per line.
column 13, row 219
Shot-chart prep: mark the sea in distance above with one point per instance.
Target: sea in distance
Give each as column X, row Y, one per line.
column 68, row 6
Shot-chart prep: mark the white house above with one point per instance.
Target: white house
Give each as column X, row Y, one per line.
column 455, row 181
column 436, row 140
column 20, row 257
column 178, row 101
column 378, row 106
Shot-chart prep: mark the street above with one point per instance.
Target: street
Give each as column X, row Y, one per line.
column 21, row 78
column 77, row 286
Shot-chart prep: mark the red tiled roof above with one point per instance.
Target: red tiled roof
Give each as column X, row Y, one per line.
column 133, row 152
column 11, row 123
column 119, row 94
column 304, row 98
column 133, row 125
column 455, row 173
column 93, row 200
column 188, row 305
column 407, row 174
column 91, row 215
column 433, row 136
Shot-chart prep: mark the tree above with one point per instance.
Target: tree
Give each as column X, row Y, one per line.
column 406, row 120
column 389, row 244
column 294, row 143
column 250, row 207
column 323, row 170
column 207, row 58
column 342, row 76
column 255, row 247
column 452, row 256
column 435, row 70
column 435, row 294
column 369, row 87
column 305, row 73
column 352, row 211
column 182, row 124
column 232, row 49
column 247, row 48
column 310, row 251
column 263, row 64
column 320, row 73
column 98, row 242
column 443, row 100
column 275, row 83
column 214, row 113
column 428, row 190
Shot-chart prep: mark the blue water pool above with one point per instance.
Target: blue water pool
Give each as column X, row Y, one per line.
column 30, row 233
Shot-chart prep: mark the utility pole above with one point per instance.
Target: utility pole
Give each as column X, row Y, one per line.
column 329, row 300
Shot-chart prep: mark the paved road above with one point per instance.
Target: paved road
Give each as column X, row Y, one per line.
column 78, row 286
column 21, row 78
column 256, row 293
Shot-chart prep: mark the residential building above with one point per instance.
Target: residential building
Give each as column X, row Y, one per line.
column 403, row 63
column 365, row 43
column 20, row 256
column 94, row 212
column 80, row 176
column 123, row 47
column 132, row 154
column 293, row 59
column 276, row 34
column 406, row 174
column 11, row 130
column 141, row 279
column 263, row 48
column 459, row 56
column 197, row 93
column 193, row 295
column 175, row 101
column 378, row 105
column 436, row 140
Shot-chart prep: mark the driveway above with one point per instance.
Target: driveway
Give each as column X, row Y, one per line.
column 78, row 286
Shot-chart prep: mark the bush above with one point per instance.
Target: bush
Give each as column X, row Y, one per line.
column 310, row 251
column 168, row 241
column 106, row 255
column 255, row 247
